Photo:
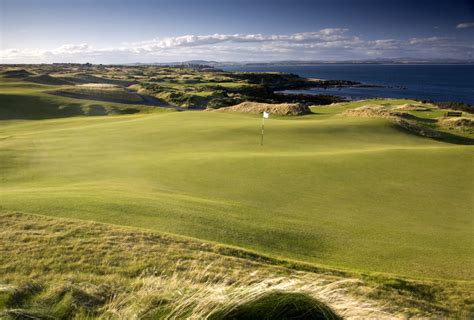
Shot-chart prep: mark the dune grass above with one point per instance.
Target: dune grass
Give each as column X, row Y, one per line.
column 347, row 193
column 98, row 271
column 56, row 268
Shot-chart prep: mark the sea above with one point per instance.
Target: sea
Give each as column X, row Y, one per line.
column 427, row 82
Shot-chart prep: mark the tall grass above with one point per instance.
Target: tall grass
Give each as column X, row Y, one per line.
column 67, row 269
column 197, row 293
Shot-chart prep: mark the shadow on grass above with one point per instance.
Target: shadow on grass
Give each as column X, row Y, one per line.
column 454, row 139
column 277, row 305
column 424, row 126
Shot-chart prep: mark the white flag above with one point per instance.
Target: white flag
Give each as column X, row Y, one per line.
column 266, row 114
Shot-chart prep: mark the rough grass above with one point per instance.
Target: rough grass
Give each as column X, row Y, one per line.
column 96, row 269
column 182, row 99
column 369, row 111
column 70, row 269
column 413, row 107
column 283, row 109
column 463, row 124
column 417, row 123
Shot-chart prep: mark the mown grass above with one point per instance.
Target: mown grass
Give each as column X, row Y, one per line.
column 348, row 193
column 68, row 269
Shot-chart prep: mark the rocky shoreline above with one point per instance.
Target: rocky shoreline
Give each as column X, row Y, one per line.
column 322, row 99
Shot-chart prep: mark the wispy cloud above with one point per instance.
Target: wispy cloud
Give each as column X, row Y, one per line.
column 329, row 43
column 465, row 25
column 323, row 35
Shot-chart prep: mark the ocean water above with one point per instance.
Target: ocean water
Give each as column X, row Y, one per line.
column 430, row 82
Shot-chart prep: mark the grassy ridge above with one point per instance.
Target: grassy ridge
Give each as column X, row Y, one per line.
column 26, row 100
column 343, row 192
column 101, row 93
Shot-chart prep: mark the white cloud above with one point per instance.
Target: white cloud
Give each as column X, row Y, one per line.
column 73, row 48
column 324, row 35
column 465, row 25
column 329, row 43
column 429, row 40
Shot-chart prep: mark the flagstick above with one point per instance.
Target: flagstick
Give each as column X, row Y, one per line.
column 263, row 127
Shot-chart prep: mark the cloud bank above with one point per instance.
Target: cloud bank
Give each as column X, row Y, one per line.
column 325, row 44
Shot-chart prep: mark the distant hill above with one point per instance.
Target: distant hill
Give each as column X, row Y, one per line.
column 367, row 61
column 17, row 73
column 402, row 60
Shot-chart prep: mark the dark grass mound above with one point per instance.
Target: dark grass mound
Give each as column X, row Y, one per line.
column 17, row 73
column 48, row 80
column 278, row 305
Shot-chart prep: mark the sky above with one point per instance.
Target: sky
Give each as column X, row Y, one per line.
column 128, row 31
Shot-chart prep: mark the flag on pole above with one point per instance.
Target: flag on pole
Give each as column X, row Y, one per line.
column 265, row 116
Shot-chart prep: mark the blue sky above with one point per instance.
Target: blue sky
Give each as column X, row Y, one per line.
column 122, row 31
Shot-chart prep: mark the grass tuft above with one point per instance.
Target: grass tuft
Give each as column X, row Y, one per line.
column 23, row 293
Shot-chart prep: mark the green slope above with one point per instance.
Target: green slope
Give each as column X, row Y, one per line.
column 341, row 192
column 33, row 101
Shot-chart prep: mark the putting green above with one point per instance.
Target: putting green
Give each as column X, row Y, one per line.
column 358, row 194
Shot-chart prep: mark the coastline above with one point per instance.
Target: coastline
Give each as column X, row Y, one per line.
column 434, row 82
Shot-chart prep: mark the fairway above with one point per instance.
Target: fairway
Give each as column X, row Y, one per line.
column 339, row 192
